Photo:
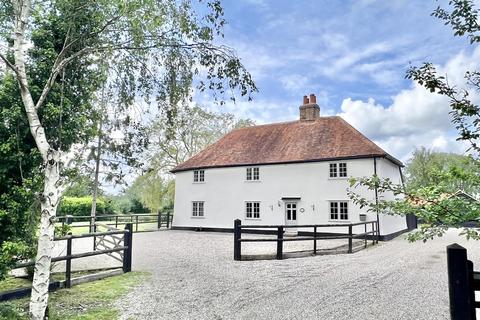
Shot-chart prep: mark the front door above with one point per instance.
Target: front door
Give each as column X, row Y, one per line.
column 291, row 213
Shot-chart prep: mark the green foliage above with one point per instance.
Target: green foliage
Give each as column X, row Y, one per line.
column 433, row 178
column 82, row 206
column 465, row 113
column 82, row 186
column 434, row 205
column 193, row 130
column 11, row 252
column 453, row 171
column 153, row 192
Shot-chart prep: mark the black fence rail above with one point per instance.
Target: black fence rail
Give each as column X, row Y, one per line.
column 462, row 284
column 314, row 235
column 160, row 219
column 123, row 247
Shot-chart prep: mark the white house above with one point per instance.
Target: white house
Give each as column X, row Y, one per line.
column 283, row 173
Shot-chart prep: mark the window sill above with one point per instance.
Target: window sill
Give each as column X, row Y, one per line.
column 339, row 178
column 200, row 182
column 253, row 181
column 255, row 219
column 340, row 221
column 197, row 217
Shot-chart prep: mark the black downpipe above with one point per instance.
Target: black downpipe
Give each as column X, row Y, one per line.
column 376, row 193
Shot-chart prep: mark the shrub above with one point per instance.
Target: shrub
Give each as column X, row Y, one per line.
column 13, row 251
column 82, row 206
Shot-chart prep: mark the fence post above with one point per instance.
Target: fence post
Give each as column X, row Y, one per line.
column 159, row 219
column 127, row 253
column 116, row 222
column 458, row 284
column 136, row 220
column 350, row 239
column 280, row 243
column 237, row 245
column 68, row 264
column 314, row 240
column 94, row 237
column 365, row 235
column 168, row 219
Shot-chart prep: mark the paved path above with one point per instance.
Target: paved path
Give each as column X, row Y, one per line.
column 195, row 277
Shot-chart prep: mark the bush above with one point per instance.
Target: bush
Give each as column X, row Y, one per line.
column 82, row 206
column 13, row 251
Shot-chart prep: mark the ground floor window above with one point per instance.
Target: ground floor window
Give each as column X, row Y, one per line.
column 198, row 209
column 252, row 210
column 339, row 210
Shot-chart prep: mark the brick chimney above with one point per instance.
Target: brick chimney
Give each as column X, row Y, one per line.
column 310, row 110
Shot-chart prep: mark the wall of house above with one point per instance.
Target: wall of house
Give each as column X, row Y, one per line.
column 226, row 190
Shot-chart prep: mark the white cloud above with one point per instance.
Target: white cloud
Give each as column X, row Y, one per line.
column 415, row 117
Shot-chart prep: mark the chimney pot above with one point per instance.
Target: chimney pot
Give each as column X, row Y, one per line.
column 309, row 110
column 305, row 100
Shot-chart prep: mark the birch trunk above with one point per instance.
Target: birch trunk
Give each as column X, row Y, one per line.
column 51, row 162
column 49, row 202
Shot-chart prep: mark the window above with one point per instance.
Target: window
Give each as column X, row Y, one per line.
column 198, row 175
column 252, row 210
column 333, row 170
column 253, row 174
column 197, row 209
column 338, row 170
column 342, row 170
column 339, row 210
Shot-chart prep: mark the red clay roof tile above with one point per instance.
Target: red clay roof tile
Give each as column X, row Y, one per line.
column 325, row 138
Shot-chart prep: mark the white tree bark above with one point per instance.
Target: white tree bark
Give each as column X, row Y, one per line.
column 49, row 202
column 51, row 161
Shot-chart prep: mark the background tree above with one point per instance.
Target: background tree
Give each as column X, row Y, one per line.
column 149, row 50
column 432, row 203
column 456, row 172
column 192, row 130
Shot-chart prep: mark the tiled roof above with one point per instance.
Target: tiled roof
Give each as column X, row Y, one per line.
column 325, row 138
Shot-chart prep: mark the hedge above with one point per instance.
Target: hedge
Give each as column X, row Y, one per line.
column 83, row 206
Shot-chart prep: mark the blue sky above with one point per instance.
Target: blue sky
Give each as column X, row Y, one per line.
column 353, row 55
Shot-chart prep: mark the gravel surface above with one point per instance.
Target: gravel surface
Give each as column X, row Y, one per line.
column 194, row 277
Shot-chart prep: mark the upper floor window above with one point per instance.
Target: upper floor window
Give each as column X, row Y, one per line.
column 252, row 210
column 198, row 208
column 198, row 175
column 338, row 170
column 339, row 210
column 253, row 174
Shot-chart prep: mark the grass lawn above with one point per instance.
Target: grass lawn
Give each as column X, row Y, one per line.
column 88, row 301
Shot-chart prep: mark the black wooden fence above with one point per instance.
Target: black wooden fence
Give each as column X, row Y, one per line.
column 314, row 235
column 462, row 284
column 124, row 247
column 161, row 220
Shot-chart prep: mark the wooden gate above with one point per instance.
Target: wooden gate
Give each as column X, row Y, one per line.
column 109, row 241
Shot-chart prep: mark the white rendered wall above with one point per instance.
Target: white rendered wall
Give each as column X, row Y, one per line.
column 225, row 192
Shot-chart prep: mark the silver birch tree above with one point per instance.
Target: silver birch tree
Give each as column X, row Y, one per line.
column 148, row 48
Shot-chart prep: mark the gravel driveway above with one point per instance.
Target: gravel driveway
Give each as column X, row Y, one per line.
column 194, row 277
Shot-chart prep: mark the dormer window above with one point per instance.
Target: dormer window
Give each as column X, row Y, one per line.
column 253, row 174
column 198, row 175
column 338, row 170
